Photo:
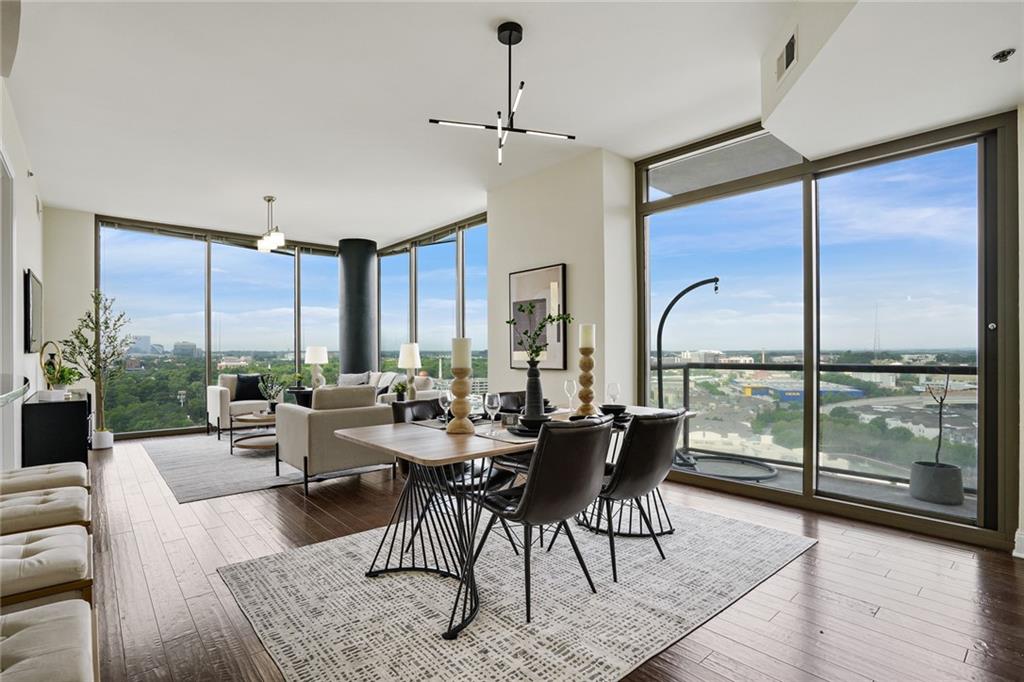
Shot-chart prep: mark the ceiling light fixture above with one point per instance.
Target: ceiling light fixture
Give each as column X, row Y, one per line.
column 509, row 33
column 273, row 238
column 1003, row 55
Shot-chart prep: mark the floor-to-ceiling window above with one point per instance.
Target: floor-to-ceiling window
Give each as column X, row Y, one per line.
column 253, row 310
column 394, row 307
column 436, row 289
column 319, row 274
column 867, row 303
column 475, row 300
column 159, row 281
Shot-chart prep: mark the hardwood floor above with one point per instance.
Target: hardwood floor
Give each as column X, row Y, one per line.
column 865, row 603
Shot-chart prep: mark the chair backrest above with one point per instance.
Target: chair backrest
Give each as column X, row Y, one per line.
column 342, row 397
column 566, row 470
column 416, row 410
column 512, row 401
column 646, row 455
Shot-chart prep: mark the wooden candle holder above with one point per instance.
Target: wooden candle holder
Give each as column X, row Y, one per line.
column 586, row 394
column 460, row 423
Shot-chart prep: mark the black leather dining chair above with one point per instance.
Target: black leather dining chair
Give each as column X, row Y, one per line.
column 565, row 475
column 512, row 402
column 644, row 461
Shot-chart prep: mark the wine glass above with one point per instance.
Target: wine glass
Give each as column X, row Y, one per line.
column 445, row 400
column 569, row 386
column 613, row 392
column 492, row 403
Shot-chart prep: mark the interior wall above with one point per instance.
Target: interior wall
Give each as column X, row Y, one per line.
column 28, row 253
column 1019, row 549
column 580, row 213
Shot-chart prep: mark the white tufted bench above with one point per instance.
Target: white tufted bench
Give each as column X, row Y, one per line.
column 44, row 476
column 45, row 565
column 33, row 509
column 55, row 643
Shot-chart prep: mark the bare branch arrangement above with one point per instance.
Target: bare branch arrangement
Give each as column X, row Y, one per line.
column 940, row 399
column 529, row 339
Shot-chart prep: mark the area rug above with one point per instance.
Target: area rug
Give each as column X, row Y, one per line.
column 201, row 467
column 320, row 618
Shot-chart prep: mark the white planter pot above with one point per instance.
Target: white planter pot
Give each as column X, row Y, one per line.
column 102, row 440
column 51, row 395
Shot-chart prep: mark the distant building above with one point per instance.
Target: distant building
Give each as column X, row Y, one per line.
column 133, row 364
column 157, row 349
column 885, row 380
column 141, row 345
column 792, row 390
column 739, row 359
column 229, row 361
column 701, row 356
column 918, row 358
column 185, row 349
column 785, row 359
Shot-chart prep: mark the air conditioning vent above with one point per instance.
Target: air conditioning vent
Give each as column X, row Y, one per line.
column 786, row 58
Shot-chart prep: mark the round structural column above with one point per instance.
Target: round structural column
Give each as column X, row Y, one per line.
column 358, row 305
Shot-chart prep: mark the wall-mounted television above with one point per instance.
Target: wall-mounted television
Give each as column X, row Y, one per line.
column 33, row 312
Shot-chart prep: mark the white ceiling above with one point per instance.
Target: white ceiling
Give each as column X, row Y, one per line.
column 189, row 113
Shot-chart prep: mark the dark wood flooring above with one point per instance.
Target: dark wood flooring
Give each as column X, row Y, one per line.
column 865, row 603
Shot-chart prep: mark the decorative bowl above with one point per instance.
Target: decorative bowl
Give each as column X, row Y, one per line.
column 612, row 409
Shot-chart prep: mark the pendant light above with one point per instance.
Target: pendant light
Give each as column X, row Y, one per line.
column 273, row 238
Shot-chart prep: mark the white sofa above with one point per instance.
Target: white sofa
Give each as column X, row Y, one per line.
column 221, row 404
column 305, row 435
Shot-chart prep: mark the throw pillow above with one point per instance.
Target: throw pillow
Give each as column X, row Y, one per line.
column 248, row 387
column 353, row 379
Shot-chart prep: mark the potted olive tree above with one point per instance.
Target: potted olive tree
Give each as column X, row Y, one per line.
column 935, row 481
column 98, row 346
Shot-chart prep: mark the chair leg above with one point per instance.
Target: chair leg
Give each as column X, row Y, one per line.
column 487, row 533
column 394, row 469
column 554, row 536
column 579, row 557
column 305, row 476
column 611, row 540
column 207, row 423
column 654, row 536
column 218, row 428
column 527, row 541
column 508, row 534
column 277, row 461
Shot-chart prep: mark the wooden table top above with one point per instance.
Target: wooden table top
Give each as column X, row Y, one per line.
column 256, row 418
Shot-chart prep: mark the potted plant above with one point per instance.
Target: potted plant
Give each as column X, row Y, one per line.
column 400, row 389
column 532, row 339
column 98, row 347
column 935, row 481
column 272, row 386
column 62, row 377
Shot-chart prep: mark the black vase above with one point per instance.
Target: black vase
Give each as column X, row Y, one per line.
column 272, row 407
column 534, row 393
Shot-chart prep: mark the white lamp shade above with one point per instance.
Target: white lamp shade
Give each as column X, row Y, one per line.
column 276, row 239
column 409, row 356
column 316, row 355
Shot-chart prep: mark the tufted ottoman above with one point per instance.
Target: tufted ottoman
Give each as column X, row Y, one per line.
column 45, row 565
column 54, row 643
column 44, row 476
column 43, row 509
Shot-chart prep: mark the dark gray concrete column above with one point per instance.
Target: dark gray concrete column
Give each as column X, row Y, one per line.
column 358, row 305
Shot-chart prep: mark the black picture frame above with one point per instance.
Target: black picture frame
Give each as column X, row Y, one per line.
column 33, row 293
column 525, row 285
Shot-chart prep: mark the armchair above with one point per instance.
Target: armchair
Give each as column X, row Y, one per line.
column 305, row 435
column 224, row 401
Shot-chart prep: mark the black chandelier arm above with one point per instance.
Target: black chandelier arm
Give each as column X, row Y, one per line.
column 491, row 126
column 661, row 328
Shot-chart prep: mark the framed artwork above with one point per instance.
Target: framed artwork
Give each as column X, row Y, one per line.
column 545, row 289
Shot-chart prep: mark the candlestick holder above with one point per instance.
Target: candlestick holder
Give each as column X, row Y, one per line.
column 460, row 423
column 586, row 393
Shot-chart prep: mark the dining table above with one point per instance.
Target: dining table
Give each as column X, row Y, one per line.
column 434, row 525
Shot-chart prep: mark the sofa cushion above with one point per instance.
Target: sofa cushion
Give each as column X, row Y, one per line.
column 248, row 406
column 44, row 476
column 43, row 558
column 343, row 397
column 52, row 642
column 374, row 378
column 248, row 388
column 353, row 379
column 43, row 509
column 230, row 382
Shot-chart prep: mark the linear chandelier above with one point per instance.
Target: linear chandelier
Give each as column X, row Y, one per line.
column 509, row 33
column 273, row 238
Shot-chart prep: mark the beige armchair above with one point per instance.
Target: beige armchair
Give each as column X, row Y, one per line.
column 305, row 436
column 221, row 404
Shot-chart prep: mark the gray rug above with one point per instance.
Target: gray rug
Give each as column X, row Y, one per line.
column 322, row 619
column 200, row 467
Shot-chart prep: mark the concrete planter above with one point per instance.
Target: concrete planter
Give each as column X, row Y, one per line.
column 102, row 440
column 938, row 483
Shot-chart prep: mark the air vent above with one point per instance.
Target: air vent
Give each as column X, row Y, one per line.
column 786, row 58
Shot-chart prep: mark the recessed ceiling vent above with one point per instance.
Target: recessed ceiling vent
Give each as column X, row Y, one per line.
column 786, row 58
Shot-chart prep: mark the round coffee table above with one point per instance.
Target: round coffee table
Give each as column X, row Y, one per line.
column 254, row 441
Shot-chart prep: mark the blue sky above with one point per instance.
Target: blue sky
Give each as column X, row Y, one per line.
column 900, row 236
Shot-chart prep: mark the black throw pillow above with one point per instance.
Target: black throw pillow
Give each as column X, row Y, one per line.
column 248, row 387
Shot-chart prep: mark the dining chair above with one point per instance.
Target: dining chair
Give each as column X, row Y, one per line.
column 565, row 476
column 643, row 462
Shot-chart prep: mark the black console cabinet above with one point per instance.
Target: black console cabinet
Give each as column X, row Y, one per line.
column 56, row 431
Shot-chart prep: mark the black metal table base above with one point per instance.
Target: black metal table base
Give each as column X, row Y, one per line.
column 433, row 530
column 626, row 518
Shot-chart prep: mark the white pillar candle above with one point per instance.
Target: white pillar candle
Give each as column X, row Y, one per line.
column 588, row 332
column 461, row 353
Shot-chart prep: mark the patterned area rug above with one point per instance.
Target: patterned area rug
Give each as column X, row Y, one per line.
column 322, row 619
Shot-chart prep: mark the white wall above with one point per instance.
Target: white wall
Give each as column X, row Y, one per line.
column 68, row 257
column 28, row 253
column 580, row 213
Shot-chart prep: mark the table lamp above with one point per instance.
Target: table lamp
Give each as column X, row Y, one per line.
column 316, row 356
column 409, row 360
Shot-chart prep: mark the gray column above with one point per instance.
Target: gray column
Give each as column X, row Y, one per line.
column 358, row 304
